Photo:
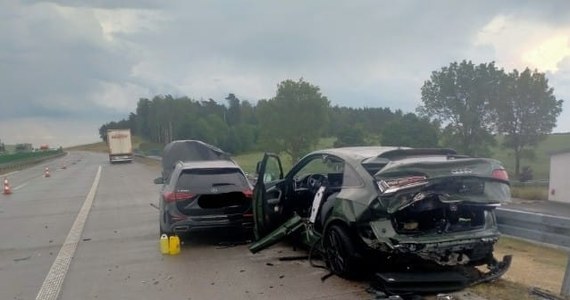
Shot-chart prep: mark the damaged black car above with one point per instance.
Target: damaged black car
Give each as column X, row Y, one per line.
column 387, row 208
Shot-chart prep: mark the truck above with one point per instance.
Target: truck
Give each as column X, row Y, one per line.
column 120, row 146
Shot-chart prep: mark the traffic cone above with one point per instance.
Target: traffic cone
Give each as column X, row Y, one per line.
column 7, row 189
column 64, row 166
column 46, row 172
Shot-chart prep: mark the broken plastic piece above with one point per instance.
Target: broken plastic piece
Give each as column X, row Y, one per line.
column 292, row 225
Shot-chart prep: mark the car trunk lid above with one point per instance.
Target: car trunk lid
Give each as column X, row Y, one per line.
column 404, row 182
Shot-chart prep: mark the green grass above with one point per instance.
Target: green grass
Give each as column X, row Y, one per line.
column 94, row 147
column 540, row 165
column 530, row 192
column 23, row 156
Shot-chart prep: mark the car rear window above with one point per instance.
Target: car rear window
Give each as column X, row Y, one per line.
column 212, row 180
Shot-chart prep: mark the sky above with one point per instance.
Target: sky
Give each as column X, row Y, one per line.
column 69, row 66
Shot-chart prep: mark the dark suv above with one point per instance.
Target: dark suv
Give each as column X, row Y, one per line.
column 203, row 195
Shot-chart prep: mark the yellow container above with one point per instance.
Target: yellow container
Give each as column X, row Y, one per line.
column 164, row 244
column 174, row 245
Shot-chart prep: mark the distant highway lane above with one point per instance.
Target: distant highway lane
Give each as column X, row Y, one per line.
column 117, row 254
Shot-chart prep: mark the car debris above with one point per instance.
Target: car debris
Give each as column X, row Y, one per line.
column 405, row 215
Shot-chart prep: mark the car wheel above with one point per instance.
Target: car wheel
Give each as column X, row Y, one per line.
column 340, row 252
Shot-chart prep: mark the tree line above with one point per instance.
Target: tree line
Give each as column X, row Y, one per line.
column 463, row 106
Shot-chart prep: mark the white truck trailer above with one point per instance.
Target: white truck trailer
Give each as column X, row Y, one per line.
column 120, row 146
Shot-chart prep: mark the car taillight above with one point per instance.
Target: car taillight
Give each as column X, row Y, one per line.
column 177, row 196
column 248, row 193
column 500, row 174
column 396, row 184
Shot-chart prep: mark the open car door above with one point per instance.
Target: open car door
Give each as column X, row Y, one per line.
column 267, row 195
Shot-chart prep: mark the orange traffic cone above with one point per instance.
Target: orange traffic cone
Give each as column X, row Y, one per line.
column 7, row 189
column 46, row 172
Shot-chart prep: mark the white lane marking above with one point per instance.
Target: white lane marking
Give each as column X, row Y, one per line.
column 54, row 280
column 20, row 186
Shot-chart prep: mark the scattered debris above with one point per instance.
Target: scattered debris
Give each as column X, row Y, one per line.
column 544, row 294
column 86, row 239
column 269, row 264
column 154, row 205
column 23, row 258
column 226, row 244
column 289, row 258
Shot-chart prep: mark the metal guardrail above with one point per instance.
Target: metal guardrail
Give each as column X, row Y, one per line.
column 538, row 227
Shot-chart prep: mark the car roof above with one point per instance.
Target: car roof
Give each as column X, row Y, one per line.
column 357, row 153
column 375, row 154
column 208, row 164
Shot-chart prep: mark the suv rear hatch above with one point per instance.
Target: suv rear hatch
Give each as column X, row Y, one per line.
column 213, row 191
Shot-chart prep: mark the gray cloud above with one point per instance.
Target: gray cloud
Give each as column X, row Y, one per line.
column 74, row 60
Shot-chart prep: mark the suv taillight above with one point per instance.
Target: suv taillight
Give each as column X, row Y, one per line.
column 248, row 193
column 500, row 174
column 177, row 196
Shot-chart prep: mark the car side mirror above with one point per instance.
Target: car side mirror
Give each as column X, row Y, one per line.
column 158, row 180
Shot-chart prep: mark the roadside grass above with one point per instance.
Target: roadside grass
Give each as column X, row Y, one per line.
column 248, row 161
column 25, row 156
column 532, row 266
column 502, row 289
column 540, row 165
column 530, row 192
column 94, row 147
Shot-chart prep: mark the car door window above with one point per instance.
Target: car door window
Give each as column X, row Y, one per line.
column 321, row 165
column 273, row 170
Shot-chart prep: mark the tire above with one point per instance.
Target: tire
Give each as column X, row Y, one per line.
column 341, row 253
column 160, row 223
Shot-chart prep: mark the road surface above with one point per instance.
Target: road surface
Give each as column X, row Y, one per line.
column 106, row 247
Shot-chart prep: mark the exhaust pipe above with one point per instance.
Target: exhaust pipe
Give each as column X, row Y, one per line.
column 181, row 229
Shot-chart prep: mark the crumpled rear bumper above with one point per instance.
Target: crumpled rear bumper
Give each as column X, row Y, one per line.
column 453, row 279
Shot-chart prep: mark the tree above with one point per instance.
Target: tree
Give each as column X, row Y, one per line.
column 233, row 115
column 350, row 136
column 460, row 97
column 526, row 111
column 410, row 131
column 294, row 119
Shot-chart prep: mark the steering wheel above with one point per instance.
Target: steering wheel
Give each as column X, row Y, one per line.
column 315, row 181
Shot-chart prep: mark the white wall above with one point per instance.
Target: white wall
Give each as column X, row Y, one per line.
column 559, row 178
